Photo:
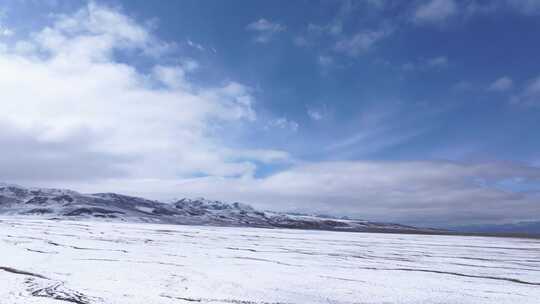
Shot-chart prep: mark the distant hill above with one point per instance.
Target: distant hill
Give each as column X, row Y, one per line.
column 520, row 227
column 67, row 204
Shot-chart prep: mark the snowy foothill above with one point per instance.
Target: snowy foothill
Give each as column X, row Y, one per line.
column 47, row 261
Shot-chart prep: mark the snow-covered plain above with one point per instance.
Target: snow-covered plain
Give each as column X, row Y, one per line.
column 44, row 261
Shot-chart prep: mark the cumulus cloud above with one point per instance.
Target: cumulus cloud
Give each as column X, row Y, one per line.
column 25, row 157
column 265, row 30
column 71, row 110
column 502, row 84
column 75, row 115
column 435, row 11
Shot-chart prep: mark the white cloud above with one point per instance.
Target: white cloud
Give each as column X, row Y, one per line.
column 65, row 97
column 523, row 7
column 527, row 7
column 265, row 156
column 481, row 8
column 435, row 11
column 438, row 62
column 530, row 95
column 361, row 42
column 317, row 113
column 314, row 34
column 195, row 45
column 502, row 84
column 325, row 61
column 462, row 86
column 283, row 123
column 73, row 115
column 439, row 11
column 369, row 141
column 378, row 128
column 408, row 66
column 5, row 32
column 300, row 41
column 265, row 30
column 334, row 28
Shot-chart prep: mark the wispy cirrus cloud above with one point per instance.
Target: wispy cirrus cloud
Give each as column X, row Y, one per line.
column 381, row 126
column 501, row 84
column 195, row 45
column 527, row 7
column 5, row 32
column 434, row 11
column 317, row 113
column 529, row 94
column 265, row 30
column 361, row 42
column 338, row 36
column 432, row 63
column 462, row 86
column 440, row 12
column 283, row 123
column 438, row 62
column 325, row 61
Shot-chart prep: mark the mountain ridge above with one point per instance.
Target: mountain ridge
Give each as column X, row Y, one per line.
column 54, row 203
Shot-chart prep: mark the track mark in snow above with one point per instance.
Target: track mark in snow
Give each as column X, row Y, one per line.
column 495, row 267
column 66, row 246
column 86, row 248
column 342, row 279
column 263, row 260
column 231, row 301
column 39, row 251
column 455, row 274
column 241, row 249
column 22, row 272
column 132, row 261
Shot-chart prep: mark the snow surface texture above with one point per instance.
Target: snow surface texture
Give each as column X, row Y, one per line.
column 44, row 261
column 67, row 204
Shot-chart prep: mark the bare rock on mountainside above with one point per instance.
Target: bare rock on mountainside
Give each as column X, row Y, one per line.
column 67, row 204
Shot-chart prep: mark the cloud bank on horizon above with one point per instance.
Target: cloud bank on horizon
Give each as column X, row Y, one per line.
column 423, row 112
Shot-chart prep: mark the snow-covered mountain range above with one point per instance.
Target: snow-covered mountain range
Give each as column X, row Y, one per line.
column 67, row 204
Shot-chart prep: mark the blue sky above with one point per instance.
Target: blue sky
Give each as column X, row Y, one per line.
column 431, row 111
column 419, row 112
